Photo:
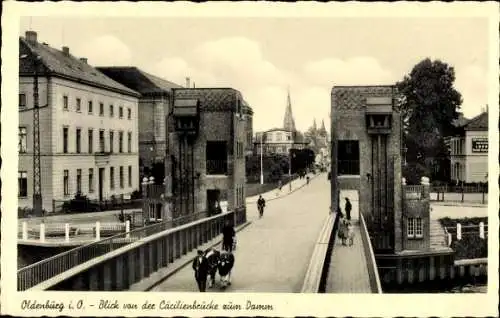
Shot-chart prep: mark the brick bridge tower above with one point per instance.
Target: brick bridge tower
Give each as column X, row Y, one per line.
column 366, row 156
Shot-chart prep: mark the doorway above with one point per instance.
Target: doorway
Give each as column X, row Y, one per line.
column 213, row 203
column 101, row 183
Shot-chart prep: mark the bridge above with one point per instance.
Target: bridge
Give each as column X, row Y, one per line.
column 293, row 248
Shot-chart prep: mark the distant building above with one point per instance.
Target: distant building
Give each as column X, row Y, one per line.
column 469, row 150
column 88, row 126
column 280, row 140
column 318, row 140
column 208, row 133
column 154, row 106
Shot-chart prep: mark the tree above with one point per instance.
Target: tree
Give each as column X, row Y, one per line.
column 429, row 104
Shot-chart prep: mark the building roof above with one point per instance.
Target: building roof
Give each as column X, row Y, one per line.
column 211, row 98
column 138, row 80
column 480, row 122
column 62, row 63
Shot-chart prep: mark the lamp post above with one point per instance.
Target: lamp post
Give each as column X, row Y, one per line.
column 261, row 166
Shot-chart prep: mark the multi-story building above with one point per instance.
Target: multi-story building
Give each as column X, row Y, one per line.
column 277, row 141
column 207, row 132
column 88, row 127
column 154, row 106
column 469, row 150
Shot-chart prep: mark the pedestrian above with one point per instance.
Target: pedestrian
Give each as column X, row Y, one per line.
column 307, row 179
column 348, row 208
column 280, row 184
column 228, row 236
column 261, row 204
column 200, row 267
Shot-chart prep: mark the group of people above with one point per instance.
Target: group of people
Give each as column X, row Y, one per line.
column 208, row 262
column 346, row 232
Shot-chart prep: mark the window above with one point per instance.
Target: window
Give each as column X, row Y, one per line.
column 120, row 142
column 216, row 154
column 22, row 101
column 129, row 142
column 23, row 140
column 102, row 147
column 22, row 183
column 129, row 113
column 111, row 140
column 66, row 182
column 65, row 139
column 130, row 176
column 101, row 109
column 91, row 180
column 120, row 112
column 415, row 228
column 348, row 157
column 78, row 105
column 111, row 111
column 112, row 177
column 65, row 103
column 78, row 140
column 121, row 177
column 78, row 180
column 91, row 107
column 91, row 141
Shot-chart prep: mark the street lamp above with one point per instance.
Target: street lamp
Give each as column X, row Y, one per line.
column 261, row 166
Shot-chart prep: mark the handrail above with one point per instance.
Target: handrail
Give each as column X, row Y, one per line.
column 372, row 264
column 36, row 273
column 312, row 279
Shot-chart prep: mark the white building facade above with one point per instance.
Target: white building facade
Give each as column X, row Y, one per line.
column 88, row 129
column 469, row 151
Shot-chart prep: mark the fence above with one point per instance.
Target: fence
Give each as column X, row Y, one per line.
column 38, row 272
column 121, row 202
column 132, row 262
column 469, row 193
column 457, row 232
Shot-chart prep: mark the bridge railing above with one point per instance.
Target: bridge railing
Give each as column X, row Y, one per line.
column 119, row 262
column 36, row 273
column 318, row 266
column 373, row 274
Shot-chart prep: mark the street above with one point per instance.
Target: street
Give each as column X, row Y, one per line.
column 273, row 252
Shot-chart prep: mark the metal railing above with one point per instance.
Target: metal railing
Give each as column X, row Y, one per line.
column 413, row 191
column 216, row 167
column 36, row 273
column 375, row 284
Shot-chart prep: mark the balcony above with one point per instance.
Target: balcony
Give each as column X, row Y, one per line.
column 216, row 167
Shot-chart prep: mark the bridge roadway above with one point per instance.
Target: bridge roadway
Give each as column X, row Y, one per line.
column 273, row 253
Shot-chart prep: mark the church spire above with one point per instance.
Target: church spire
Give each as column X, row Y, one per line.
column 289, row 122
column 323, row 129
column 314, row 125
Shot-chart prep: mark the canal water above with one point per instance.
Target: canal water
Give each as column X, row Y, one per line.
column 470, row 285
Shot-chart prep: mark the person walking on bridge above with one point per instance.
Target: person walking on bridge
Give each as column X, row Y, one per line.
column 200, row 267
column 228, row 237
column 348, row 208
column 261, row 204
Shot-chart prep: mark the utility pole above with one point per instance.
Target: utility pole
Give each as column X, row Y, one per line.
column 261, row 167
column 37, row 182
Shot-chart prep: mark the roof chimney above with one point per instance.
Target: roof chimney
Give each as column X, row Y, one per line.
column 65, row 50
column 30, row 36
column 84, row 60
column 187, row 82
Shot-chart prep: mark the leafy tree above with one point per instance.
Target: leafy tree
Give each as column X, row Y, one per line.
column 429, row 104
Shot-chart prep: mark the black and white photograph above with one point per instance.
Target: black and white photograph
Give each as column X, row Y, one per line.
column 242, row 160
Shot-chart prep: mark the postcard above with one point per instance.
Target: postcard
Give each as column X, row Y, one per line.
column 250, row 159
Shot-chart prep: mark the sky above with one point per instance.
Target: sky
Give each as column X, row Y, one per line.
column 262, row 57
